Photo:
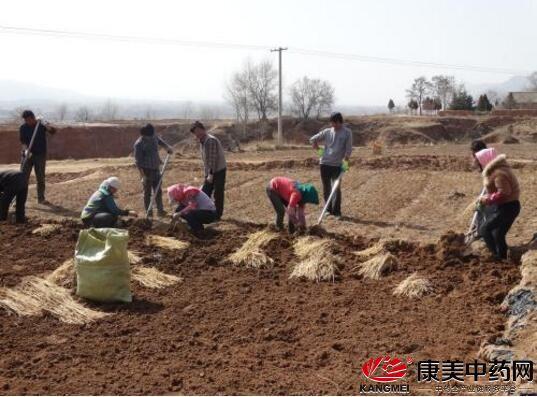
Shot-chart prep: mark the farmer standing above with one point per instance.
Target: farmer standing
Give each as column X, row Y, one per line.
column 36, row 156
column 13, row 185
column 337, row 151
column 214, row 163
column 501, row 199
column 287, row 195
column 148, row 161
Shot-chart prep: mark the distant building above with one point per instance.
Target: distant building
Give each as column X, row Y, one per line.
column 525, row 99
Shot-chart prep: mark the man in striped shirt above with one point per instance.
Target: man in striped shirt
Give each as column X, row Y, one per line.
column 214, row 163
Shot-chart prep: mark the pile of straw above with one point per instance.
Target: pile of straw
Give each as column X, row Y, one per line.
column 377, row 266
column 63, row 275
column 413, row 287
column 35, row 295
column 166, row 242
column 317, row 263
column 46, row 229
column 251, row 254
column 150, row 277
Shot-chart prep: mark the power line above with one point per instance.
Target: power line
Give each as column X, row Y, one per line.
column 136, row 39
column 395, row 61
column 238, row 46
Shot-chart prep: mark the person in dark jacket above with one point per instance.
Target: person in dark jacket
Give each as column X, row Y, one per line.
column 148, row 161
column 13, row 185
column 101, row 209
column 214, row 164
column 36, row 156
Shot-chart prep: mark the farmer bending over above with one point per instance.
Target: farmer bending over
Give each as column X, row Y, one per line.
column 287, row 195
column 101, row 209
column 337, row 142
column 13, row 184
column 193, row 205
column 147, row 161
column 502, row 200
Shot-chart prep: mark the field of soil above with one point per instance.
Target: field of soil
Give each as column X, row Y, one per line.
column 227, row 329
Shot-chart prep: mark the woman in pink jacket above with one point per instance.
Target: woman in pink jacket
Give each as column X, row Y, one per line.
column 287, row 195
column 194, row 206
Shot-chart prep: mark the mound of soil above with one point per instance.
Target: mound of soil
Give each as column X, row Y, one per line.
column 209, row 334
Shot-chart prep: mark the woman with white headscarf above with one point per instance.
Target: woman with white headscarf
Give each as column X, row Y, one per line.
column 101, row 209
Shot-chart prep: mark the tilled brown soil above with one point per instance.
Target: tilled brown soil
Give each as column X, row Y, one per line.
column 229, row 330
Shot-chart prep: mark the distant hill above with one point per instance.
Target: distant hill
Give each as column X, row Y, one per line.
column 515, row 83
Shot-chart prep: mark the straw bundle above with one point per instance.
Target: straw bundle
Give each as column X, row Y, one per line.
column 150, row 277
column 413, row 287
column 46, row 229
column 62, row 275
column 166, row 242
column 251, row 253
column 35, row 295
column 377, row 266
column 317, row 263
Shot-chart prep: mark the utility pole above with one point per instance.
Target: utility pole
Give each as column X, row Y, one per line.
column 280, row 132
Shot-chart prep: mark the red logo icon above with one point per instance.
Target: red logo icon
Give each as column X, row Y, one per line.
column 391, row 369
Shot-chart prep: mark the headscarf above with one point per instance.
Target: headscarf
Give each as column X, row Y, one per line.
column 177, row 193
column 485, row 156
column 308, row 192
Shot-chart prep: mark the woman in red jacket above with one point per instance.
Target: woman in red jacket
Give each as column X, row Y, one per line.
column 287, row 195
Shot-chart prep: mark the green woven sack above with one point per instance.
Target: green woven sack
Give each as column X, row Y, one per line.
column 102, row 265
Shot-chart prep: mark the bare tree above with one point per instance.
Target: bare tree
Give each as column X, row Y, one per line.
column 262, row 80
column 209, row 112
column 83, row 114
column 493, row 97
column 327, row 98
column 187, row 109
column 16, row 114
column 109, row 111
column 311, row 95
column 61, row 112
column 443, row 88
column 237, row 96
column 533, row 81
column 419, row 89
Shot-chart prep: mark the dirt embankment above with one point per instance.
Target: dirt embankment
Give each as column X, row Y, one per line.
column 223, row 323
column 116, row 140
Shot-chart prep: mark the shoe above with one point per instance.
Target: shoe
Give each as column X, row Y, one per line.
column 162, row 214
column 43, row 202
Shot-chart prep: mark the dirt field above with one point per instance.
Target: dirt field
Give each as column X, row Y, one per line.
column 226, row 329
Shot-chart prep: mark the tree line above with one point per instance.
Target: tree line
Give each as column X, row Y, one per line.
column 252, row 91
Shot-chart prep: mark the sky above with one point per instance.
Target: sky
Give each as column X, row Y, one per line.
column 489, row 33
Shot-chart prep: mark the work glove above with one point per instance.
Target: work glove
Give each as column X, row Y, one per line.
column 209, row 178
column 345, row 166
column 320, row 152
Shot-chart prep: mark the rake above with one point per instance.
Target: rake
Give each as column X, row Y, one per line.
column 154, row 195
column 472, row 233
